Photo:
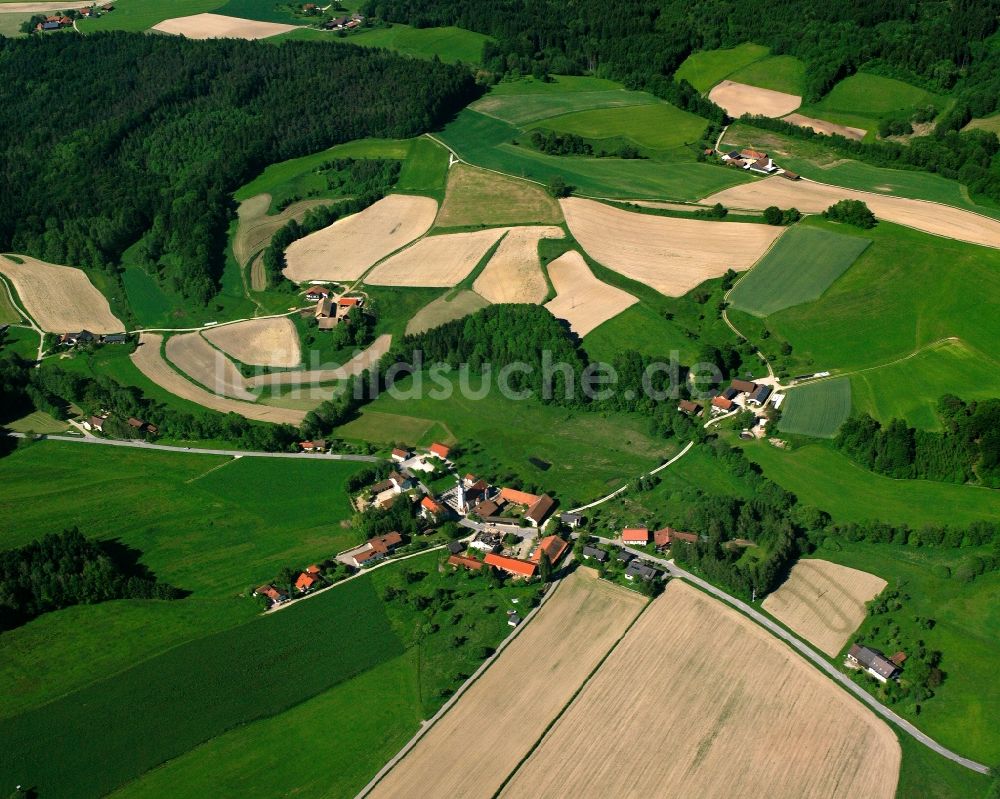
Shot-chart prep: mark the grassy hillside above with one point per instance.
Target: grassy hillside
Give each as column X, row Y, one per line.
column 140, row 15
column 782, row 73
column 706, row 68
column 449, row 44
column 816, row 409
column 525, row 101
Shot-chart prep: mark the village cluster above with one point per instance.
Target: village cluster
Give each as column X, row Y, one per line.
column 331, row 310
column 760, row 163
column 740, row 395
column 65, row 19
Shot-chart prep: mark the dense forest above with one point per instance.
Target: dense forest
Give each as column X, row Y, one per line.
column 152, row 145
column 68, row 569
column 967, row 449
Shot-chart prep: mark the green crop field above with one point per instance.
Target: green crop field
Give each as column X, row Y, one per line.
column 816, row 409
column 8, row 313
column 782, row 73
column 195, row 692
column 703, row 70
column 150, row 304
column 822, row 477
column 140, row 15
column 639, row 328
column 910, row 389
column 589, row 454
column 800, row 266
column 425, row 169
column 10, row 24
column 263, row 10
column 967, row 631
column 524, row 108
column 487, row 142
column 658, row 126
column 907, row 290
column 449, row 44
column 867, row 98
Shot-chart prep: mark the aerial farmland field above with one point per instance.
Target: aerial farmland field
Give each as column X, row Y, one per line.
column 817, row 409
column 798, row 268
column 758, row 722
column 478, row 197
column 706, row 68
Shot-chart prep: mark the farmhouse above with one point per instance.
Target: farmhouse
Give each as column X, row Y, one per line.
column 635, row 536
column 571, row 519
column 317, row 293
column 762, row 166
column 662, row 538
column 551, row 545
column 752, row 155
column 326, row 314
column 440, row 451
column 114, row 338
column 540, row 510
column 689, row 407
column 373, row 550
column 400, row 482
column 489, row 508
column 759, row 397
column 272, row 593
column 346, row 303
column 306, row 582
column 742, row 387
column 430, row 509
column 82, row 337
column 400, row 455
column 516, row 497
column 513, row 566
column 721, row 405
column 95, row 423
column 319, row 445
column 465, row 562
column 873, row 661
column 594, row 553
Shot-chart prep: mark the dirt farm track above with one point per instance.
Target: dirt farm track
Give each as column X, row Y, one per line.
column 756, row 722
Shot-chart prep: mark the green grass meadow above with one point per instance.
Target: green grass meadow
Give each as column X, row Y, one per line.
column 822, row 477
column 8, row 313
column 706, row 68
column 780, row 73
column 263, row 10
column 800, row 266
column 862, row 99
column 114, row 730
column 816, row 409
column 656, row 126
column 450, row 44
column 140, row 15
column 525, row 108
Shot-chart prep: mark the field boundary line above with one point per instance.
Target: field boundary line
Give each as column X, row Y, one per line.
column 575, row 694
column 26, row 316
column 427, row 725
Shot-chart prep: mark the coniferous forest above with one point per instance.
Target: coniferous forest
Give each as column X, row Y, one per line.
column 112, row 138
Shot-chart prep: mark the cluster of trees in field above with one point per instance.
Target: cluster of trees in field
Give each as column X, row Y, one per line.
column 851, row 212
column 155, row 153
column 967, row 449
column 552, row 143
column 67, row 569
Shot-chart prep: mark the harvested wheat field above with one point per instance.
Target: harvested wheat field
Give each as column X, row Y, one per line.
column 259, row 342
column 581, row 299
column 480, row 197
column 829, row 128
column 669, row 254
column 444, row 309
column 514, row 273
column 738, row 99
column 350, row 246
column 150, row 362
column 60, row 299
column 41, row 8
column 218, row 26
column 823, row 602
column 443, row 260
column 743, row 715
column 258, row 274
column 203, row 363
column 811, row 197
column 355, row 366
column 479, row 741
column 256, row 226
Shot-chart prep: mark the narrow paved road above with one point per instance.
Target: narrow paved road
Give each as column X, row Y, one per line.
column 811, row 654
column 235, row 453
column 614, row 494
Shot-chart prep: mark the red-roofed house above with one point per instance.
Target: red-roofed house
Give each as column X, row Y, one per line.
column 518, row 497
column 720, row 403
column 465, row 562
column 662, row 538
column 400, row 454
column 513, row 566
column 440, row 451
column 271, row 593
column 306, row 581
column 689, row 538
column 349, row 302
column 635, row 536
column 551, row 545
column 430, row 509
column 314, row 569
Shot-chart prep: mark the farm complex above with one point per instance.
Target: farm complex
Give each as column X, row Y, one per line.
column 453, row 400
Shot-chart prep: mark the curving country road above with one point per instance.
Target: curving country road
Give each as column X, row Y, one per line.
column 234, row 453
column 811, row 654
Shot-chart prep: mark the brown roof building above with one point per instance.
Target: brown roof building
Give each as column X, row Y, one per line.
column 540, row 510
column 551, row 545
column 514, row 566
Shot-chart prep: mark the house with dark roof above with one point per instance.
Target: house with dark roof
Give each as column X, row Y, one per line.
column 742, row 387
column 457, row 547
column 643, row 571
column 571, row 519
column 540, row 510
column 731, row 393
column 513, row 566
column 487, row 542
column 594, row 553
column 624, row 556
column 317, row 293
column 872, row 661
column 759, row 397
column 114, row 338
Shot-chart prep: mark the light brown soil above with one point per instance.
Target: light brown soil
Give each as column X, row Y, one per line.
column 824, row 602
column 581, row 299
column 699, row 701
column 443, row 260
column 320, row 374
column 41, row 8
column 218, row 26
column 822, row 126
column 258, row 275
column 442, row 310
column 148, row 360
column 200, row 361
column 61, row 299
column 259, row 342
column 472, row 749
column 811, row 197
column 480, row 197
column 514, row 273
column 256, row 226
column 350, row 246
column 670, row 254
column 739, row 99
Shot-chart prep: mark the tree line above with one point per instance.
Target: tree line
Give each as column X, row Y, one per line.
column 155, row 153
column 968, row 449
column 64, row 569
